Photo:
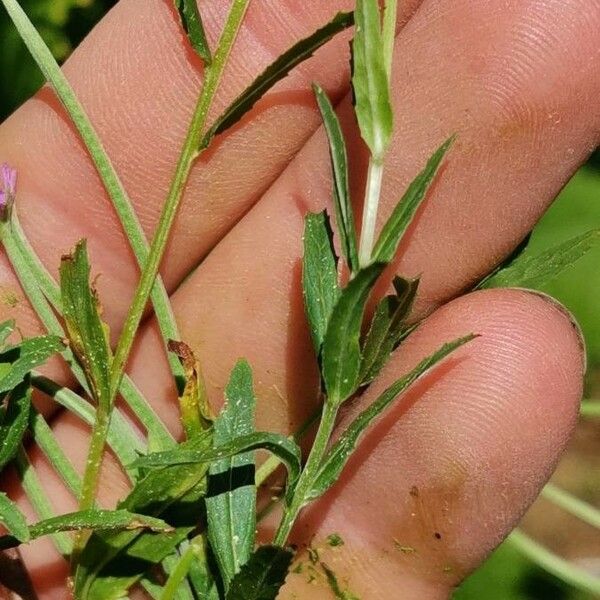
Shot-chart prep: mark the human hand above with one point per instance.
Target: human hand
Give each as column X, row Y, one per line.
column 451, row 468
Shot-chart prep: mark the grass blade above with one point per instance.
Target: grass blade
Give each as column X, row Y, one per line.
column 275, row 72
column 341, row 355
column 13, row 520
column 14, row 419
column 231, row 499
column 344, row 214
column 403, row 214
column 319, row 275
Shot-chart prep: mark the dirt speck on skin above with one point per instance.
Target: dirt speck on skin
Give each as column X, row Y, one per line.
column 9, row 298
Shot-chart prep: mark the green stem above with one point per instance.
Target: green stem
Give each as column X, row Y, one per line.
column 557, row 566
column 371, row 207
column 190, row 151
column 574, row 506
column 590, row 409
column 390, row 15
column 179, row 573
column 307, row 478
column 39, row 500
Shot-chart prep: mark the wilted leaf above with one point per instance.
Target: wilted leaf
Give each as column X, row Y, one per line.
column 405, row 210
column 196, row 414
column 386, row 328
column 344, row 447
column 114, row 561
column 534, row 271
column 341, row 356
column 87, row 333
column 192, row 25
column 341, row 189
column 13, row 520
column 263, row 575
column 370, row 82
column 319, row 275
column 100, row 520
column 275, row 72
column 231, row 498
column 14, row 419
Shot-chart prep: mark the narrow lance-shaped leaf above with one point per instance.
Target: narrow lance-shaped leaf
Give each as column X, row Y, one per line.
column 387, row 327
column 14, row 420
column 104, row 520
column 19, row 360
column 13, row 520
column 284, row 448
column 194, row 28
column 341, row 356
column 85, row 329
column 262, row 576
column 112, row 562
column 319, row 275
column 196, row 414
column 535, row 271
column 370, row 82
column 275, row 72
column 341, row 189
column 402, row 216
column 342, row 449
column 231, row 497
column 515, row 255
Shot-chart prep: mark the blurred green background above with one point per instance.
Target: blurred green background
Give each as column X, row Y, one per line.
column 507, row 575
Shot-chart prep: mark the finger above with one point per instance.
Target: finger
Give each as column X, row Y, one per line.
column 443, row 477
column 492, row 72
column 139, row 81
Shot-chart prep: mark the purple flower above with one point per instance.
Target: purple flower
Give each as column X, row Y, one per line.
column 8, row 187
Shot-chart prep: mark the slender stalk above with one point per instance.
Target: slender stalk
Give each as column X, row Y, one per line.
column 46, row 442
column 590, row 409
column 190, row 151
column 574, row 506
column 178, row 574
column 307, row 478
column 371, row 207
column 390, row 15
column 39, row 500
column 557, row 566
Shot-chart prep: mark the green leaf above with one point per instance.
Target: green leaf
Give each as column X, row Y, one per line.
column 101, row 520
column 263, row 575
column 387, row 327
column 341, row 356
column 275, row 72
column 86, row 331
column 191, row 22
column 231, row 498
column 14, row 419
column 196, row 414
column 373, row 106
column 507, row 262
column 341, row 451
column 341, row 189
column 284, row 448
column 534, row 271
column 112, row 562
column 403, row 214
column 13, row 520
column 319, row 275
column 26, row 356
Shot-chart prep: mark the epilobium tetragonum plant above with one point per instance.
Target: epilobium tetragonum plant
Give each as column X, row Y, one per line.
column 187, row 528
